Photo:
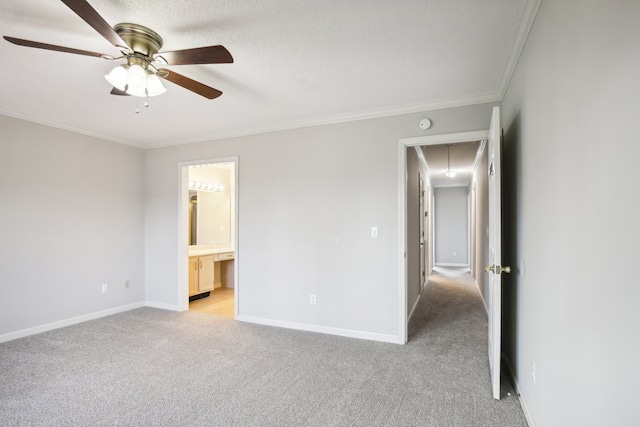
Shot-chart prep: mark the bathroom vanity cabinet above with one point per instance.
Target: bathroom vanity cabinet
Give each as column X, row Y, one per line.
column 205, row 271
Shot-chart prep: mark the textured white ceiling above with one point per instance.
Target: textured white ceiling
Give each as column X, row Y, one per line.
column 296, row 63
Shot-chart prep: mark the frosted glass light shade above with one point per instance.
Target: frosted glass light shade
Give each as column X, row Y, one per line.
column 118, row 77
column 140, row 91
column 135, row 80
column 154, row 85
column 136, row 77
column 450, row 174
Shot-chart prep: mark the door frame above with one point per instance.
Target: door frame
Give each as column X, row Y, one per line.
column 403, row 144
column 183, row 231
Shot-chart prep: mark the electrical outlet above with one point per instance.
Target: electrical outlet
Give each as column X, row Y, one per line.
column 533, row 371
column 127, row 284
column 312, row 299
column 105, row 288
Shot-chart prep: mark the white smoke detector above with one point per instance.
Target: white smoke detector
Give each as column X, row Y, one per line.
column 425, row 124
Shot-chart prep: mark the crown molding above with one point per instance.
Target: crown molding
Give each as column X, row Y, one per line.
column 341, row 118
column 62, row 126
column 528, row 18
column 531, row 10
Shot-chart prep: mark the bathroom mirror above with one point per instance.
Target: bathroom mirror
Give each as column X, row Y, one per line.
column 210, row 218
column 211, row 205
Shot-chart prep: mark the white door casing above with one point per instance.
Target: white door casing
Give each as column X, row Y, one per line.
column 403, row 143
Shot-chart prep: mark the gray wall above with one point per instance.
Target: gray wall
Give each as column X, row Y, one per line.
column 451, row 229
column 71, row 218
column 571, row 148
column 307, row 201
column 77, row 212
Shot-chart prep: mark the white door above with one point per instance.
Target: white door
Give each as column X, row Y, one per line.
column 495, row 268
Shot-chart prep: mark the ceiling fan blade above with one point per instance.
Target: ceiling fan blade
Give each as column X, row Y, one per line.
column 38, row 45
column 93, row 18
column 118, row 92
column 189, row 84
column 198, row 55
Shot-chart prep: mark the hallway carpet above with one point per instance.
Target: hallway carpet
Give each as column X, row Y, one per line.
column 149, row 367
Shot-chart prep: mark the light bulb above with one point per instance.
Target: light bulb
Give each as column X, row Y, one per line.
column 450, row 174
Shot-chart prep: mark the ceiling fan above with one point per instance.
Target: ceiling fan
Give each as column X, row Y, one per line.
column 140, row 46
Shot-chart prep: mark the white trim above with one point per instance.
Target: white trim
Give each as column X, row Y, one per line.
column 525, row 407
column 529, row 15
column 445, row 138
column 528, row 18
column 523, row 402
column 476, row 161
column 318, row 121
column 163, row 306
column 413, row 310
column 339, row 118
column 452, row 264
column 423, row 159
column 58, row 125
column 236, row 240
column 68, row 322
column 183, row 231
column 403, row 143
column 486, row 307
column 350, row 333
column 402, row 242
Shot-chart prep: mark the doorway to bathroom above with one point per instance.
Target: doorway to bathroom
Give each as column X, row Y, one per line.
column 208, row 223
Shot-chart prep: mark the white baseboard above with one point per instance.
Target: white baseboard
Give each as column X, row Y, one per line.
column 413, row 309
column 162, row 305
column 486, row 307
column 451, row 264
column 68, row 322
column 523, row 402
column 525, row 407
column 394, row 339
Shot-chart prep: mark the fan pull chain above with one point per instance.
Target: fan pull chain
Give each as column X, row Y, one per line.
column 137, row 110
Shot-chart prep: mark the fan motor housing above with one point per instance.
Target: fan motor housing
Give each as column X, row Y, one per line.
column 139, row 38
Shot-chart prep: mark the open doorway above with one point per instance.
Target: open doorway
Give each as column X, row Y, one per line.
column 208, row 224
column 413, row 162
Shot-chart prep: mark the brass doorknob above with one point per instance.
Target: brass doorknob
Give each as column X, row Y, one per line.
column 497, row 269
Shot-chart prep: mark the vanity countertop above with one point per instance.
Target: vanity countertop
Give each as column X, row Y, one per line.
column 201, row 252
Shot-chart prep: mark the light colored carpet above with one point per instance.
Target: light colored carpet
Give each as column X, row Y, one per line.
column 149, row 367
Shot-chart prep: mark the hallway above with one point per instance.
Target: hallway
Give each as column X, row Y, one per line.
column 450, row 302
column 449, row 332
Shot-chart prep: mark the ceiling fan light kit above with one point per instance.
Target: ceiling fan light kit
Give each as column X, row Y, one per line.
column 138, row 76
column 135, row 80
column 140, row 46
